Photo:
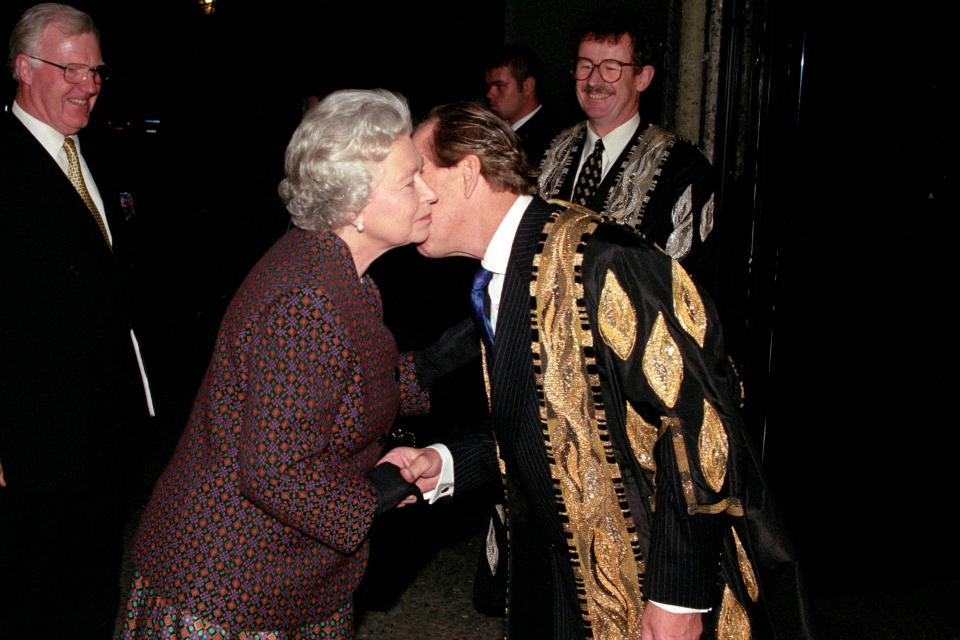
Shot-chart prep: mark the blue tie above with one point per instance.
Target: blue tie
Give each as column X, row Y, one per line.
column 477, row 296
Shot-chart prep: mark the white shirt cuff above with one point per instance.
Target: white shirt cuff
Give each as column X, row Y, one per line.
column 444, row 488
column 673, row 608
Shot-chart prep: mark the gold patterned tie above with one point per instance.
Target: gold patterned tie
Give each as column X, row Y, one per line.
column 76, row 179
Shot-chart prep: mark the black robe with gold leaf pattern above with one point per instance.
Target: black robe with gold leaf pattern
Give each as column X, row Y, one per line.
column 627, row 469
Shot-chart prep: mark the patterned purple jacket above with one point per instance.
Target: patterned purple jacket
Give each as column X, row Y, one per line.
column 260, row 519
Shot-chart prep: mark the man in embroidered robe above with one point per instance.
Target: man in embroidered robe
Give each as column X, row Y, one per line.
column 633, row 496
column 650, row 179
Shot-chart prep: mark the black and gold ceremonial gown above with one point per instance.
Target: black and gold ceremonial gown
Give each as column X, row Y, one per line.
column 627, row 469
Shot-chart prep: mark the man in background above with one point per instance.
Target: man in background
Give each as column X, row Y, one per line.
column 617, row 164
column 72, row 383
column 514, row 77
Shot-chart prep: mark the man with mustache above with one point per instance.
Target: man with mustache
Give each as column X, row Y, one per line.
column 618, row 165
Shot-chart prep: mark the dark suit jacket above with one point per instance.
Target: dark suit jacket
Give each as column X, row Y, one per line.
column 536, row 134
column 68, row 376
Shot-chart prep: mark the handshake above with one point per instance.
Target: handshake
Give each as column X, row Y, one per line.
column 403, row 475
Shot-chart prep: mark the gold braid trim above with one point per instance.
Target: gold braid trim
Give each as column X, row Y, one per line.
column 602, row 540
column 732, row 506
column 486, row 376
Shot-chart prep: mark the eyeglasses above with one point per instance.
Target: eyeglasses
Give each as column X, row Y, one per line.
column 75, row 73
column 610, row 70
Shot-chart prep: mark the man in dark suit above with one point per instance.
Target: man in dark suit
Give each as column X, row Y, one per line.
column 514, row 77
column 649, row 178
column 635, row 504
column 72, row 385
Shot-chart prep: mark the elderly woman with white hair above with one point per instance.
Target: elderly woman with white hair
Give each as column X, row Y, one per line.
column 257, row 528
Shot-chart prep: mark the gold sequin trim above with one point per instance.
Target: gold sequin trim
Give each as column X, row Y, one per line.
column 713, row 448
column 643, row 437
column 731, row 506
column 687, row 305
column 683, row 463
column 732, row 623
column 603, row 545
column 746, row 569
column 662, row 363
column 617, row 319
column 486, row 376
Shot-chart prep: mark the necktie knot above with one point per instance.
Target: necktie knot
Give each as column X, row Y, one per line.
column 71, row 149
column 478, row 294
column 482, row 279
column 590, row 175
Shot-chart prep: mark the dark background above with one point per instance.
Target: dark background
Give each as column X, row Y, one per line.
column 836, row 244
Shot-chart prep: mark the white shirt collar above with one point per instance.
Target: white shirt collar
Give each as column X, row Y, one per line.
column 497, row 255
column 522, row 121
column 50, row 138
column 613, row 143
column 52, row 141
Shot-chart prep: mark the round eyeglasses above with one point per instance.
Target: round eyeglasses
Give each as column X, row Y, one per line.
column 610, row 70
column 75, row 73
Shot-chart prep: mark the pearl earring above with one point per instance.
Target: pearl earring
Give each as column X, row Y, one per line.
column 359, row 226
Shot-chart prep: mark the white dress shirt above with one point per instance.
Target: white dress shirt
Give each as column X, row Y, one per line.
column 497, row 255
column 52, row 141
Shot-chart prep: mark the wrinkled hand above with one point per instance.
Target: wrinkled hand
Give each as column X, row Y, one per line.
column 420, row 466
column 3, row 482
column 660, row 624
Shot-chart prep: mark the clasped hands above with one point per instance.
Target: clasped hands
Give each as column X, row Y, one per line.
column 419, row 466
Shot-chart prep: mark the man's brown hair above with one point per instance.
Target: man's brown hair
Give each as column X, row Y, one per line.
column 468, row 128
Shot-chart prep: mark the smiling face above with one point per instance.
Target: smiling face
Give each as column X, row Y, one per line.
column 45, row 94
column 610, row 104
column 398, row 211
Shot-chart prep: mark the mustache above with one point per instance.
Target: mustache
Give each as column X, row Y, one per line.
column 592, row 88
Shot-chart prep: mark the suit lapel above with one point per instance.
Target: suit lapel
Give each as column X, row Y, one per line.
column 72, row 218
column 566, row 191
column 511, row 372
column 109, row 195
